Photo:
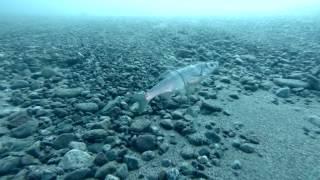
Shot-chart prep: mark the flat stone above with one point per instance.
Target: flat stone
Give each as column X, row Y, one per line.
column 210, row 106
column 292, row 83
column 213, row 136
column 68, row 92
column 87, row 107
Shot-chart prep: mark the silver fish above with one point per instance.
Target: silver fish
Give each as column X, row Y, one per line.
column 180, row 81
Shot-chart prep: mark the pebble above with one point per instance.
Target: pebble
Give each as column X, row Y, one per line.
column 132, row 162
column 213, row 136
column 78, row 145
column 106, row 169
column 187, row 153
column 148, row 155
column 9, row 165
column 87, row 107
column 75, row 159
column 140, row 125
column 247, row 148
column 63, row 140
column 95, row 135
column 236, row 165
column 166, row 124
column 203, row 159
column 145, row 142
column 197, row 139
column 283, row 92
column 18, row 84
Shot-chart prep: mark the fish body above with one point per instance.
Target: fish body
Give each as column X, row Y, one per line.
column 177, row 81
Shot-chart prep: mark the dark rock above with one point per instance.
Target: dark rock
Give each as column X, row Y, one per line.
column 313, row 82
column 234, row 96
column 18, row 84
column 68, row 93
column 145, row 142
column 213, row 136
column 9, row 165
column 95, row 135
column 60, row 112
column 132, row 162
column 197, row 139
column 75, row 159
column 166, row 124
column 108, row 168
column 166, row 162
column 63, row 140
column 25, row 130
column 87, row 107
column 180, row 125
column 204, row 151
column 100, row 159
column 77, row 174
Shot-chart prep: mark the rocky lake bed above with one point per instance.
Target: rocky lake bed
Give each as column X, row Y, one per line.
column 65, row 99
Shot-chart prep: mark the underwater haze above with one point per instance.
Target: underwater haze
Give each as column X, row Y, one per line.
column 159, row 90
column 160, row 7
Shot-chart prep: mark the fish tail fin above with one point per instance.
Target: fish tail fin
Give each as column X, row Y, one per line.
column 140, row 102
